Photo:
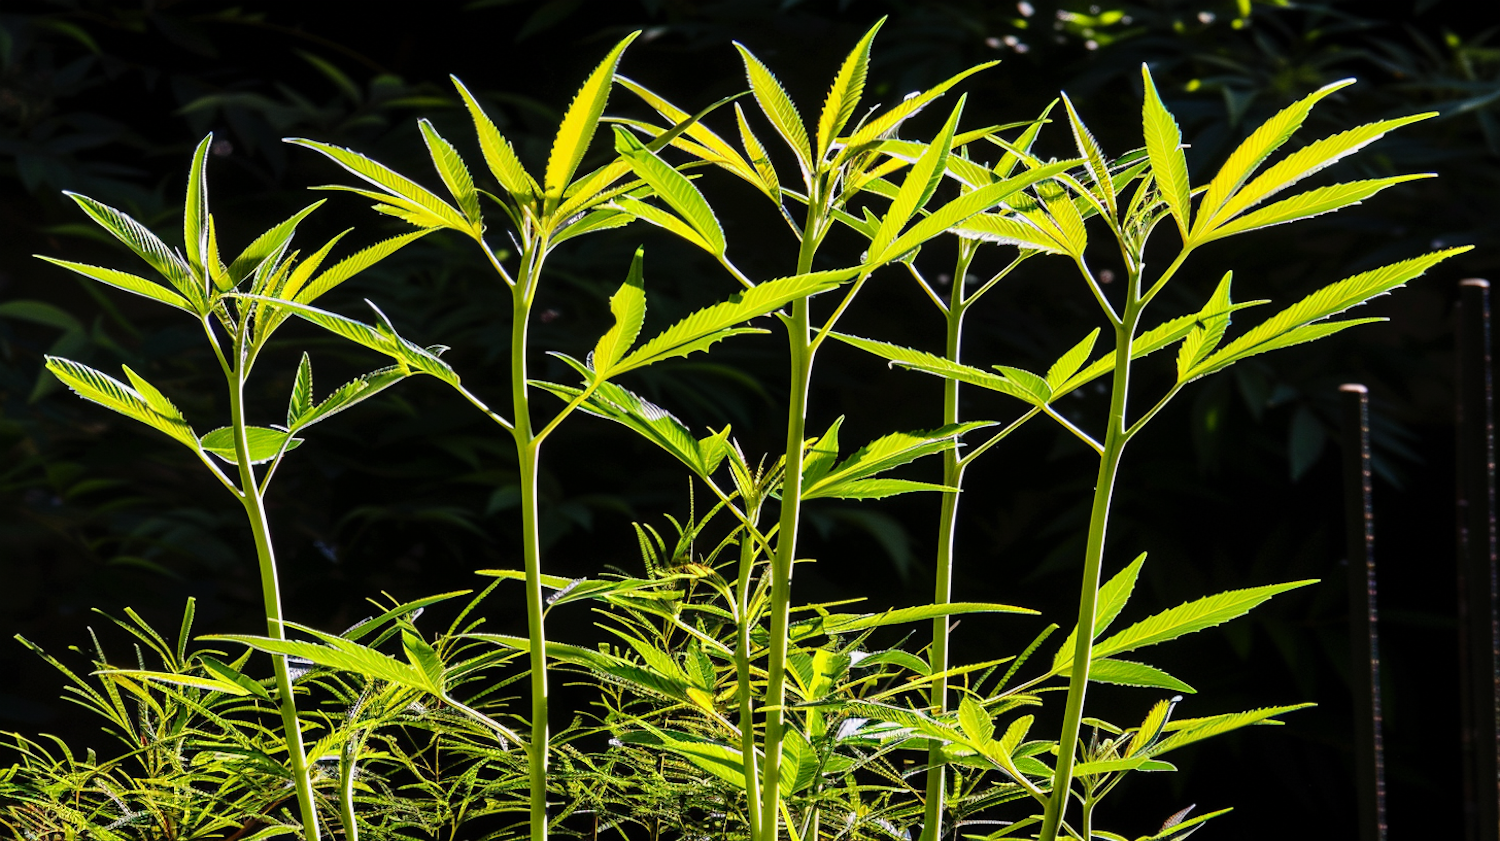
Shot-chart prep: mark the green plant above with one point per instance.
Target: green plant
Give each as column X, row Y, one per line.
column 796, row 724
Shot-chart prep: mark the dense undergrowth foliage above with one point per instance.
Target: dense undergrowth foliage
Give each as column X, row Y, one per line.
column 720, row 703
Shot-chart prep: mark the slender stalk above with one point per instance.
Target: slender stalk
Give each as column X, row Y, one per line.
column 528, row 454
column 255, row 511
column 742, row 672
column 798, row 334
column 346, row 789
column 942, row 589
column 1114, row 445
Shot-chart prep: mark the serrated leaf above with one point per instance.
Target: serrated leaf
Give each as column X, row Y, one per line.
column 341, row 654
column 843, row 623
column 577, row 129
column 882, row 454
column 650, row 421
column 778, row 108
column 128, row 282
column 882, row 126
column 920, row 183
column 674, row 188
column 1330, row 300
column 662, row 219
column 300, row 402
column 1249, row 155
column 628, row 306
column 264, row 443
column 975, row 720
column 1308, row 160
column 938, row 366
column 844, row 95
column 821, row 454
column 1020, row 150
column 212, row 684
column 970, row 204
column 597, row 220
column 764, row 171
column 497, row 151
column 1190, row 617
column 267, row 244
column 705, row 144
column 1168, row 163
column 705, row 324
column 1111, row 599
column 1206, row 334
column 453, row 171
column 400, row 188
column 383, row 340
column 1306, row 205
column 349, row 266
column 879, row 488
column 1093, row 157
column 1037, row 390
column 1010, row 230
column 1186, row 731
column 113, row 394
column 1129, row 673
column 147, row 246
column 1110, row 766
column 195, row 209
column 1068, row 364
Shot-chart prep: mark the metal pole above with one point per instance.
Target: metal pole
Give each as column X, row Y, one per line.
column 1479, row 636
column 1364, row 641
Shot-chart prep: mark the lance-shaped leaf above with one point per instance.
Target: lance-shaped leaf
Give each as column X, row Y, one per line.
column 596, row 220
column 854, row 477
column 155, row 411
column 1208, row 331
column 408, row 356
column 497, row 151
column 345, row 655
column 883, row 125
column 1278, row 331
column 454, row 172
column 148, row 246
column 195, row 209
column 1110, row 766
column 921, row 181
column 1007, row 229
column 1188, row 730
column 764, row 171
column 609, row 666
column 844, row 95
column 704, row 143
column 1168, row 163
column 1129, row 673
column 1249, row 155
column 1306, row 205
column 1190, row 617
column 959, row 211
column 271, row 242
column 212, row 683
column 938, row 366
column 778, row 108
column 628, row 306
column 123, row 280
column 674, row 188
column 650, row 421
column 1068, row 364
column 355, row 391
column 1308, row 160
column 1181, row 829
column 1107, row 606
column 845, row 623
column 343, row 269
column 1093, row 157
column 423, row 206
column 263, row 443
column 706, row 326
column 1158, row 337
column 579, row 121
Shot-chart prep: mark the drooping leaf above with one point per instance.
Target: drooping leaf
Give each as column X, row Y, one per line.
column 400, row 189
column 128, row 282
column 113, row 394
column 674, row 188
column 579, row 121
column 1128, row 673
column 263, row 443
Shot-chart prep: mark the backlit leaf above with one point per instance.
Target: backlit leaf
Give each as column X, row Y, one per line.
column 578, row 123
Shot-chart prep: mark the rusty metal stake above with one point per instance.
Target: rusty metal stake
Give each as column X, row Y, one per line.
column 1364, row 638
column 1479, row 634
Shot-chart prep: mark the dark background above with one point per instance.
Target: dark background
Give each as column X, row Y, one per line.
column 1237, row 483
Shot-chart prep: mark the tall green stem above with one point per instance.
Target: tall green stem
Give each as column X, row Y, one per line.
column 1114, row 445
column 742, row 672
column 799, row 330
column 528, row 456
column 942, row 589
column 270, row 588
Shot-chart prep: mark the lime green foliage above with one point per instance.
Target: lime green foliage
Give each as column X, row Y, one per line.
column 725, row 707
